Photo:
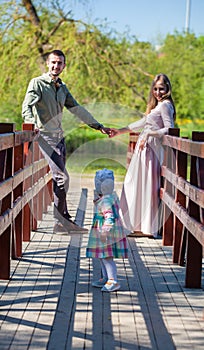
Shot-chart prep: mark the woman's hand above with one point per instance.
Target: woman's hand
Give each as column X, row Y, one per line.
column 114, row 132
column 143, row 141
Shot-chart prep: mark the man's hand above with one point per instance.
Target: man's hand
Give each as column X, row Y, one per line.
column 106, row 131
column 111, row 132
column 37, row 133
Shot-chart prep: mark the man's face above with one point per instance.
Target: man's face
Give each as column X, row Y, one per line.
column 55, row 64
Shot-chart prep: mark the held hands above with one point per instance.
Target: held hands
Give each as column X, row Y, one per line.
column 114, row 132
column 105, row 130
column 111, row 132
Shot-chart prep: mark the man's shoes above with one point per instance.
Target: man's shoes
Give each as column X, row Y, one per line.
column 67, row 216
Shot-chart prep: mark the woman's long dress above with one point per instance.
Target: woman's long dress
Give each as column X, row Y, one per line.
column 140, row 203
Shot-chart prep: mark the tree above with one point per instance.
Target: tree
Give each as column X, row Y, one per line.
column 183, row 58
column 102, row 66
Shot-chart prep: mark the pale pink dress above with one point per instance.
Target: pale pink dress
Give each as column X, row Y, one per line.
column 140, row 203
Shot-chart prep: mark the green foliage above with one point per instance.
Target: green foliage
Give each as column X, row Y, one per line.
column 99, row 163
column 107, row 73
column 183, row 57
column 77, row 137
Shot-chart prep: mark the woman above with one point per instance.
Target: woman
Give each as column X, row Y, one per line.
column 140, row 195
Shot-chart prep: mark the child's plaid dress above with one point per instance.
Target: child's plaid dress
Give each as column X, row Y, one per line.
column 106, row 220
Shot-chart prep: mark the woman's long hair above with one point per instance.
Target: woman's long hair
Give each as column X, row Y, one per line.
column 152, row 101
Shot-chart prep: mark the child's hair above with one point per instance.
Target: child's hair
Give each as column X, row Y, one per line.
column 104, row 181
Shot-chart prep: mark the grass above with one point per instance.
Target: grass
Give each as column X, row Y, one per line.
column 187, row 126
column 86, row 164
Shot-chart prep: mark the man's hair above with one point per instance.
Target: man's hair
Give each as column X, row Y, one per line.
column 56, row 53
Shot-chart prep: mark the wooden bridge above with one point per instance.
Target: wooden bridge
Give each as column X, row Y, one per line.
column 46, row 298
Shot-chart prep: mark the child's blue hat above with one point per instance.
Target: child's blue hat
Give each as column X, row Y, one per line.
column 104, row 181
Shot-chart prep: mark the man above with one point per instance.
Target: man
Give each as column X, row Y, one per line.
column 43, row 105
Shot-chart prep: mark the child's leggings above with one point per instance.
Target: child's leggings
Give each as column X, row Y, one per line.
column 109, row 269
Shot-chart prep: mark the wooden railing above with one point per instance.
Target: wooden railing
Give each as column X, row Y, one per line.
column 25, row 191
column 183, row 200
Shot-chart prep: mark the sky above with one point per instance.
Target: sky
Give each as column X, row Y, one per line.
column 147, row 20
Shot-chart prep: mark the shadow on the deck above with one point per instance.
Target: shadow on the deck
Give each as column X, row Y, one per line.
column 105, row 315
column 50, row 303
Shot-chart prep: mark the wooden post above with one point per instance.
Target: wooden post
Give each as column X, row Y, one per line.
column 27, row 210
column 181, row 170
column 6, row 159
column 170, row 157
column 18, row 192
column 35, row 198
column 41, row 193
column 194, row 248
column 133, row 137
column 45, row 194
column 50, row 190
column 47, row 191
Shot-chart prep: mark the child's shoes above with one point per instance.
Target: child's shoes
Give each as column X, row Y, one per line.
column 100, row 283
column 110, row 286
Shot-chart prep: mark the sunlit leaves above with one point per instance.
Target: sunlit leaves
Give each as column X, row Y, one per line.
column 102, row 66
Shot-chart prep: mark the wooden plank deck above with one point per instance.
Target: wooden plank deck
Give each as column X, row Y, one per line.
column 49, row 302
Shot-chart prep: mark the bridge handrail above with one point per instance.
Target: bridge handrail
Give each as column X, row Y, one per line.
column 182, row 198
column 25, row 190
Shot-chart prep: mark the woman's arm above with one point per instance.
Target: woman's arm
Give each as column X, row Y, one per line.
column 146, row 136
column 167, row 115
column 135, row 126
column 116, row 132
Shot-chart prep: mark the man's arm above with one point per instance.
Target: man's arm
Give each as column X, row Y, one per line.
column 31, row 98
column 75, row 108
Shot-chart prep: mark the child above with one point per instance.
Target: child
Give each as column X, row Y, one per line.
column 107, row 239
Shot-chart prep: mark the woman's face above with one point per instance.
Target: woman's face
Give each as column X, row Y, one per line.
column 159, row 90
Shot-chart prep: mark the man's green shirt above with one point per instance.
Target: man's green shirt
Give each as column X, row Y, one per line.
column 44, row 102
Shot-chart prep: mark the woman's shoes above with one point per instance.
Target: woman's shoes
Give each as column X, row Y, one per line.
column 140, row 234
